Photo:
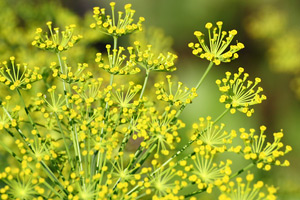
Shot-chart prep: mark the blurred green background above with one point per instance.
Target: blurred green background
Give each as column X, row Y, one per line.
column 270, row 30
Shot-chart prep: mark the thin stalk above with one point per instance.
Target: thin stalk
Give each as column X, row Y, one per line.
column 145, row 83
column 242, row 170
column 127, row 136
column 10, row 152
column 106, row 104
column 197, row 87
column 194, row 193
column 145, row 156
column 52, row 189
column 73, row 126
column 204, row 75
column 27, row 113
column 62, row 72
column 65, row 141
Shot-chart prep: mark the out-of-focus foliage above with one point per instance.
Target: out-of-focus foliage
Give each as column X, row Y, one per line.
column 19, row 20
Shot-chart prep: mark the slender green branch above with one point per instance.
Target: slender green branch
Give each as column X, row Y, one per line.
column 62, row 72
column 242, row 170
column 65, row 141
column 145, row 83
column 195, row 193
column 197, row 87
column 10, row 152
column 27, row 113
column 211, row 64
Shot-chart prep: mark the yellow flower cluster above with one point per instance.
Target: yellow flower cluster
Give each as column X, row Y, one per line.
column 122, row 98
column 9, row 117
column 263, row 154
column 116, row 26
column 238, row 93
column 57, row 41
column 85, row 137
column 70, row 74
column 28, row 186
column 218, row 42
column 149, row 61
column 212, row 134
column 239, row 190
column 206, row 172
column 116, row 58
column 177, row 96
column 18, row 76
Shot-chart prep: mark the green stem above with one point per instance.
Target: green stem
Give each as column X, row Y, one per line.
column 194, row 193
column 205, row 74
column 145, row 156
column 73, row 127
column 65, row 141
column 62, row 72
column 197, row 87
column 10, row 152
column 28, row 114
column 242, row 170
column 145, row 83
column 106, row 104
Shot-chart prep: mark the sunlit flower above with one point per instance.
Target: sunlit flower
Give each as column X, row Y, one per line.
column 9, row 117
column 263, row 153
column 18, row 76
column 174, row 95
column 57, row 41
column 123, row 97
column 218, row 42
column 163, row 182
column 238, row 93
column 212, row 134
column 56, row 103
column 206, row 172
column 148, row 60
column 20, row 184
column 70, row 74
column 113, row 26
column 117, row 63
column 237, row 190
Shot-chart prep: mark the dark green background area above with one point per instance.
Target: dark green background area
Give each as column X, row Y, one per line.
column 179, row 19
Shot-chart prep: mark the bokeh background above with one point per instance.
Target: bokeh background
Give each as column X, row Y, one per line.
column 270, row 30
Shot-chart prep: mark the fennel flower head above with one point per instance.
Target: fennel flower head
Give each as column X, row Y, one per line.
column 217, row 49
column 238, row 93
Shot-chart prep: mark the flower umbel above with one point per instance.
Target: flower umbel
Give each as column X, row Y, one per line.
column 17, row 75
column 239, row 93
column 117, row 63
column 108, row 24
column 246, row 191
column 149, row 61
column 264, row 155
column 123, row 98
column 206, row 171
column 211, row 134
column 219, row 40
column 57, row 40
column 176, row 96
